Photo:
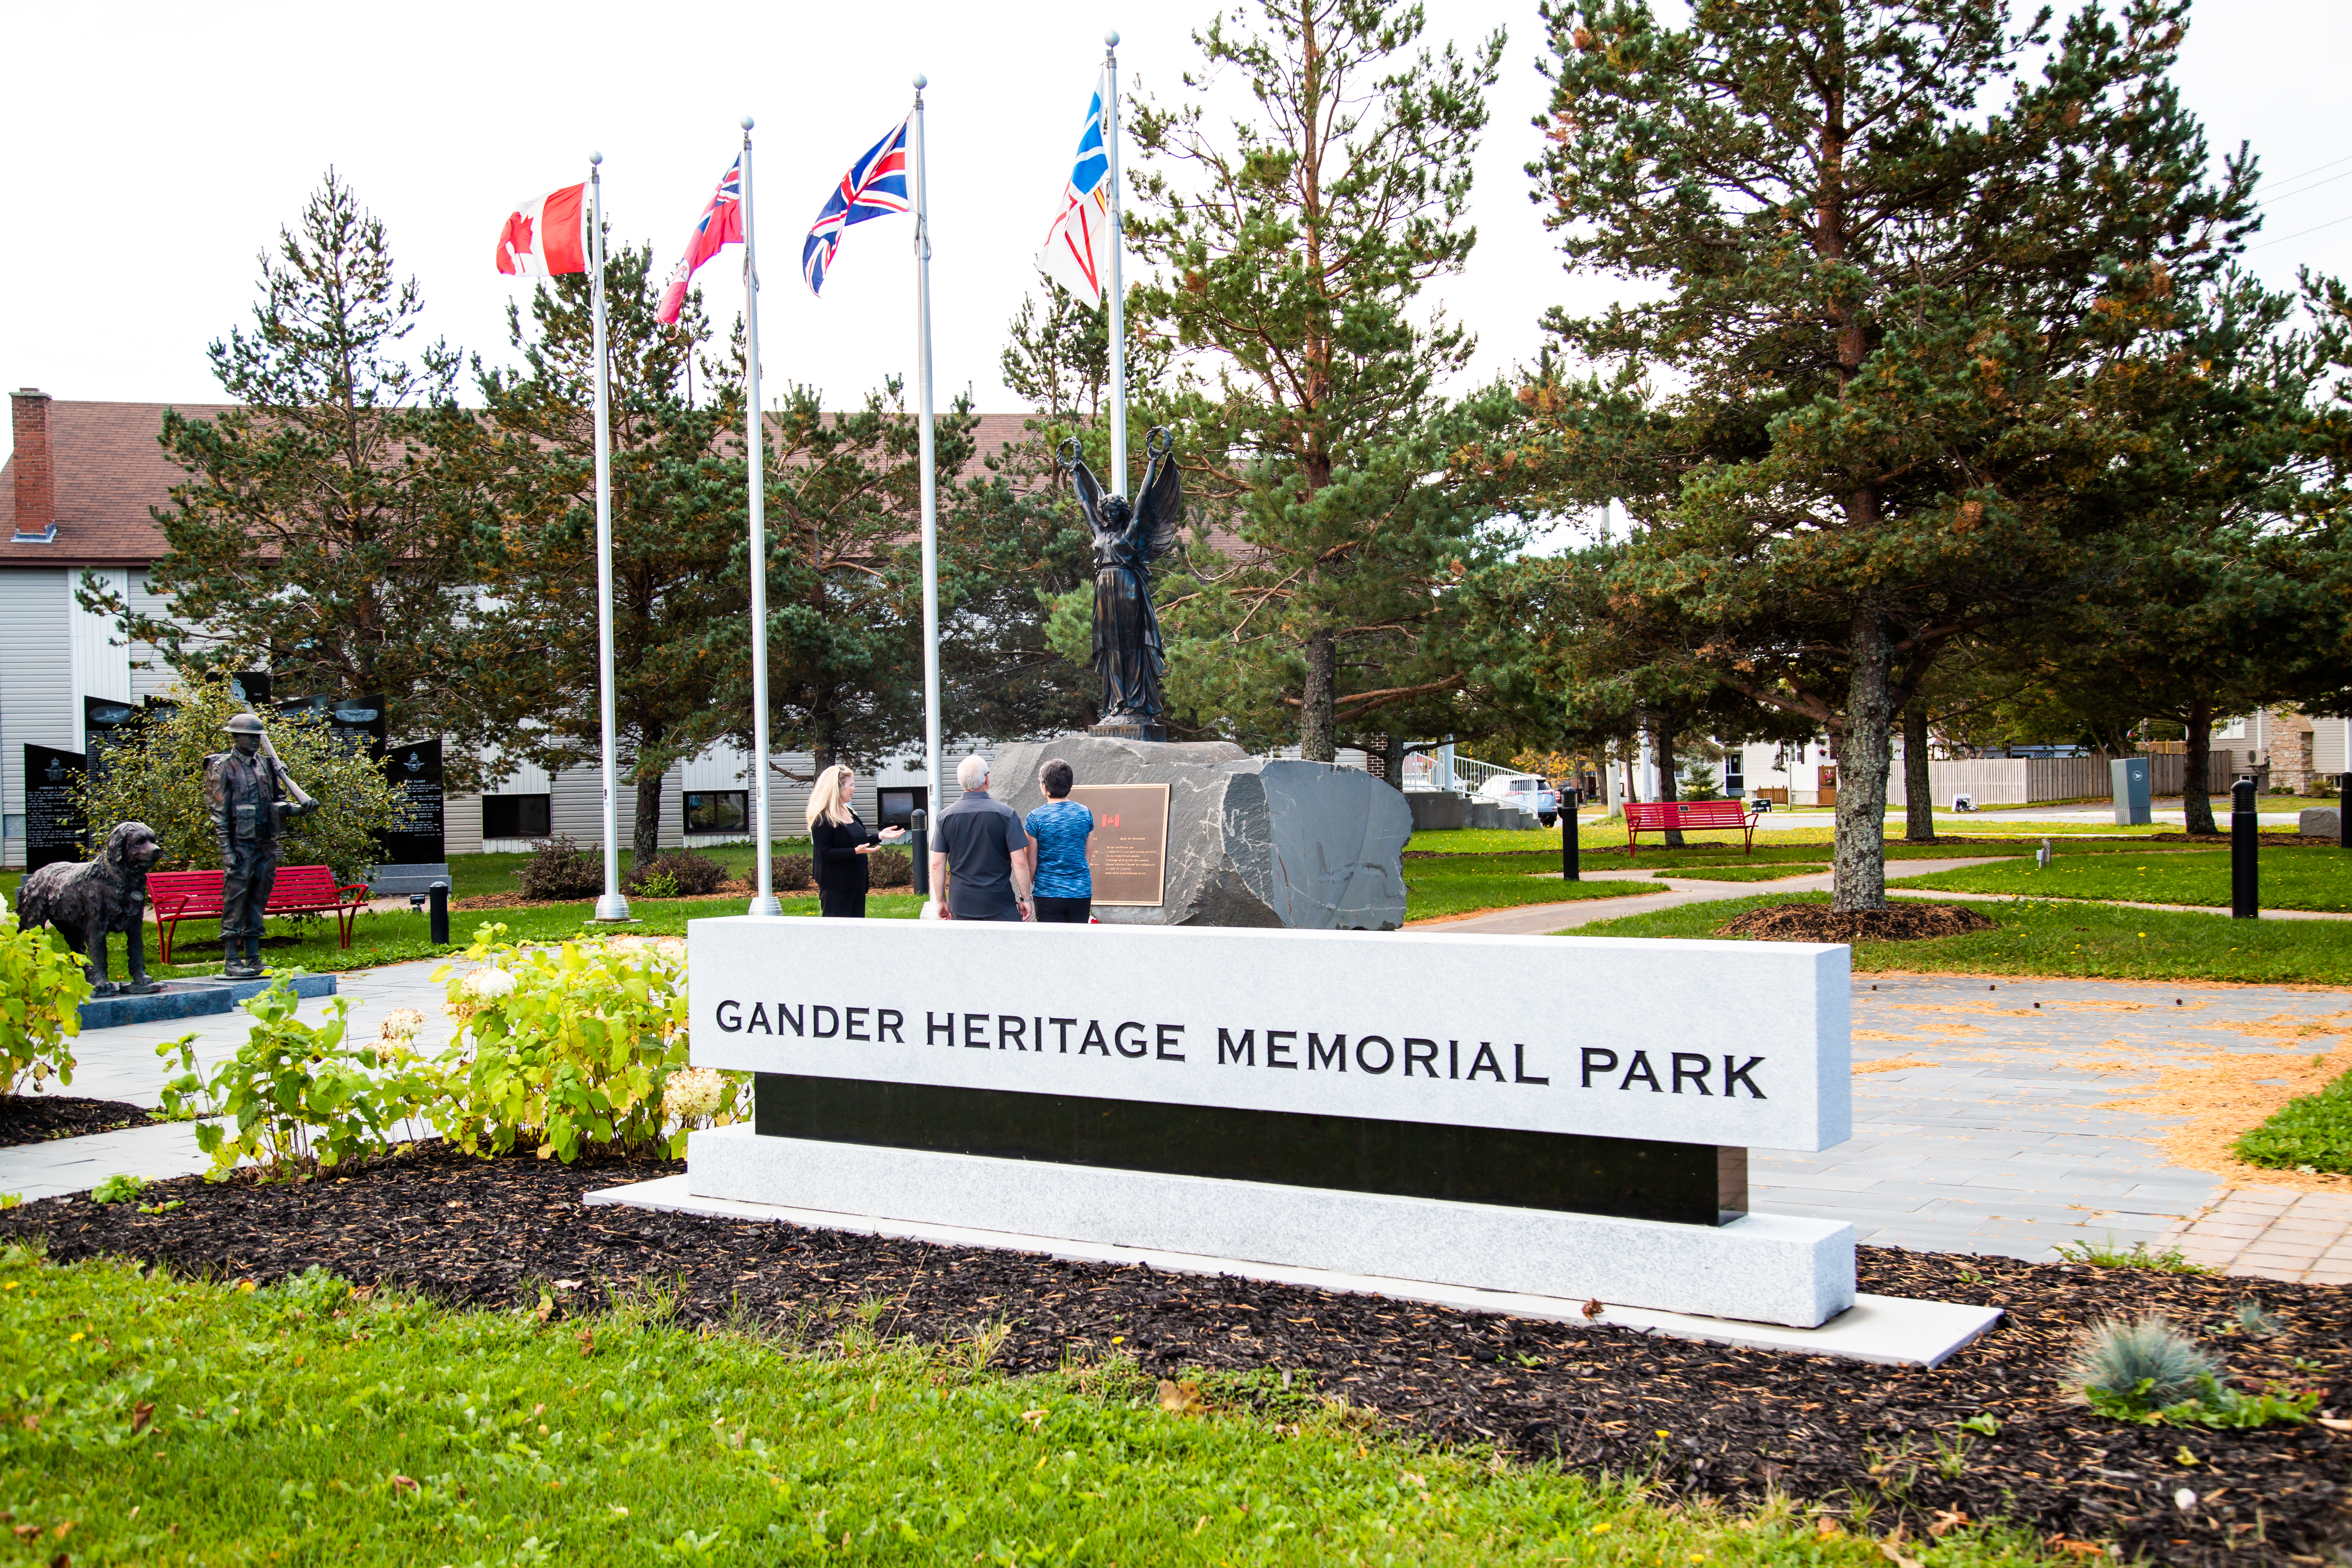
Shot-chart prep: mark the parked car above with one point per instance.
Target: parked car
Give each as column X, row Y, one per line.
column 1528, row 791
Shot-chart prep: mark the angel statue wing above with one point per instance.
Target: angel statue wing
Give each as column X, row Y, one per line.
column 1160, row 508
column 1082, row 480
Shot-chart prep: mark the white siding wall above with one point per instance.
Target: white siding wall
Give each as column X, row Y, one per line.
column 157, row 680
column 36, row 697
column 101, row 661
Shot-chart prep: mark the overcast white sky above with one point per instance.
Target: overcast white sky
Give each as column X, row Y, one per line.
column 153, row 150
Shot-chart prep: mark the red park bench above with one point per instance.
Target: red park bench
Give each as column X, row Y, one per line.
column 1657, row 816
column 177, row 896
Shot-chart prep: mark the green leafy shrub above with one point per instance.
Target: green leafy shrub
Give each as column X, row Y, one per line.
column 2144, row 1369
column 569, row 1047
column 677, row 874
column 792, row 874
column 2311, row 1131
column 559, row 868
column 42, row 988
column 156, row 773
column 302, row 1098
column 891, row 869
column 119, row 1188
column 2111, row 1253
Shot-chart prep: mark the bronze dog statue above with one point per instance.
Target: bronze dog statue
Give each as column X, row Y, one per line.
column 89, row 901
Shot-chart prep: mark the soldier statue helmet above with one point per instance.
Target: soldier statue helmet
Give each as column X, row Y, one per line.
column 247, row 794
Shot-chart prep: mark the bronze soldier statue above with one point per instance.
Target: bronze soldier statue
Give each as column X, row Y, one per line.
column 249, row 795
column 1128, row 653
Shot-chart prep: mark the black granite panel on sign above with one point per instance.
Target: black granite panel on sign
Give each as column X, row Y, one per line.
column 1630, row 1178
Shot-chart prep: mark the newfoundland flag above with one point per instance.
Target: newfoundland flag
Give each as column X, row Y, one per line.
column 876, row 186
column 547, row 236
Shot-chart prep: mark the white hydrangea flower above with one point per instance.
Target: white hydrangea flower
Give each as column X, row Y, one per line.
column 624, row 945
column 672, row 948
column 694, row 1094
column 488, row 985
column 402, row 1024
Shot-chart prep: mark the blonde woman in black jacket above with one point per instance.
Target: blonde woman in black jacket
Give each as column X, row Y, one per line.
column 839, row 843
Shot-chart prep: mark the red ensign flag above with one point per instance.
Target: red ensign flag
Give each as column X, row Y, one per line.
column 547, row 236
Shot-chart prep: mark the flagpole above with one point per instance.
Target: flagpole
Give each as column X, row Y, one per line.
column 611, row 906
column 1118, row 289
column 764, row 902
column 930, row 473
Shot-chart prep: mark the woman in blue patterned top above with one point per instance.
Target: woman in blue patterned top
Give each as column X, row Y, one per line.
column 1058, row 830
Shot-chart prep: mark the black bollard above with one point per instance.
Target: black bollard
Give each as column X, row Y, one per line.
column 2245, row 869
column 919, row 846
column 1570, row 872
column 438, row 894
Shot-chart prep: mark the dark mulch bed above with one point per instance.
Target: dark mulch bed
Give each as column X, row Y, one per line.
column 1905, row 921
column 1738, row 1422
column 37, row 1118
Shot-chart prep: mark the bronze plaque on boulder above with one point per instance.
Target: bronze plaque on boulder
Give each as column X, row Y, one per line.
column 1127, row 856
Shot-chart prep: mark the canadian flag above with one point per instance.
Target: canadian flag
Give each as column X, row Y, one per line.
column 547, row 236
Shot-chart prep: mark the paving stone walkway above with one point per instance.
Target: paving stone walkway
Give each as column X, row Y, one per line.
column 1986, row 1120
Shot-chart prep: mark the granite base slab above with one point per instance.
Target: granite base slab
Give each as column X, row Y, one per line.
column 399, row 882
column 1891, row 1330
column 191, row 999
column 1766, row 1269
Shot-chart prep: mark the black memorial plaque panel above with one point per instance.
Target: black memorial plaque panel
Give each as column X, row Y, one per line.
column 54, row 826
column 1629, row 1178
column 416, row 836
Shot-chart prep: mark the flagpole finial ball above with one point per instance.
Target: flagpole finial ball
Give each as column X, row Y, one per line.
column 1111, row 38
column 595, row 158
column 921, row 81
column 747, row 122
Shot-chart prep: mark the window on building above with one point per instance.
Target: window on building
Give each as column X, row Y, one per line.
column 718, row 810
column 515, row 815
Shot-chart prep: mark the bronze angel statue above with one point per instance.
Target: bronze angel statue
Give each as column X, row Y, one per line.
column 1128, row 653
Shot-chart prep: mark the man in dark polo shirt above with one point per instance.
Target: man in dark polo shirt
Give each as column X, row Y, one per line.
column 982, row 860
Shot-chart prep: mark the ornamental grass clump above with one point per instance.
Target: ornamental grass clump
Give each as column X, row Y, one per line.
column 567, row 1047
column 2144, row 1369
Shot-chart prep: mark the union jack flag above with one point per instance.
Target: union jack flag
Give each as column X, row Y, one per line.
column 876, row 186
column 722, row 223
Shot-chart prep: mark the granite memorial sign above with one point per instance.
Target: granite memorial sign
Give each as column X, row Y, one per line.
column 416, row 839
column 358, row 722
column 1127, row 855
column 1540, row 1114
column 55, row 826
column 105, row 724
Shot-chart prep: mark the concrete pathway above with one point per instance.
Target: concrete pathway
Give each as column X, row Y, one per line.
column 121, row 1063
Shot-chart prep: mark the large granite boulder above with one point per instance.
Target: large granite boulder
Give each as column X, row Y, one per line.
column 2319, row 822
column 1251, row 842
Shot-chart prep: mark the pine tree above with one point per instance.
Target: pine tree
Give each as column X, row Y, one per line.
column 1889, row 395
column 680, row 629
column 320, row 532
column 1291, row 251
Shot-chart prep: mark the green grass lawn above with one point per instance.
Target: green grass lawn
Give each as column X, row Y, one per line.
column 154, row 1420
column 2310, row 1133
column 2088, row 941
column 1773, row 872
column 1461, row 884
column 2317, row 878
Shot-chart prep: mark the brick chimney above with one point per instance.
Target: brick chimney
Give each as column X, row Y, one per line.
column 37, row 493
